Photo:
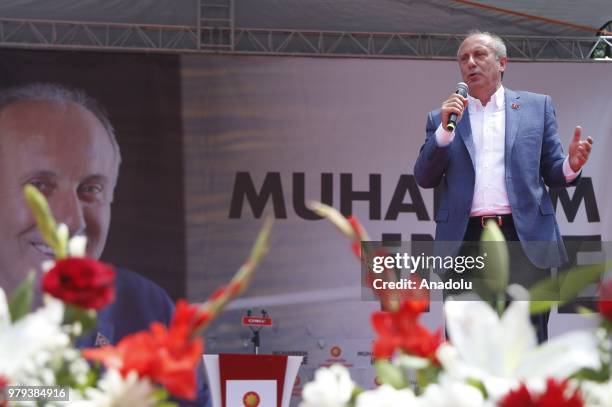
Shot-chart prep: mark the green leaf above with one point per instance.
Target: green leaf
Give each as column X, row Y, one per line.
column 602, row 375
column 497, row 263
column 21, row 300
column 565, row 287
column 607, row 325
column 161, row 395
column 91, row 380
column 87, row 317
column 479, row 385
column 537, row 307
column 427, row 376
column 356, row 392
column 389, row 374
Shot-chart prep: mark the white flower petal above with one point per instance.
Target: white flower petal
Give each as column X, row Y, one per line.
column 517, row 335
column 561, row 356
column 502, row 352
column 116, row 391
column 332, row 387
column 411, row 362
column 77, row 245
column 476, row 333
column 451, row 393
column 5, row 316
column 386, row 396
column 47, row 265
column 28, row 338
column 597, row 394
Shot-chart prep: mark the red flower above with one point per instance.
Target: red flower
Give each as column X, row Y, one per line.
column 133, row 353
column 402, row 330
column 81, row 281
column 166, row 356
column 605, row 300
column 557, row 394
column 189, row 317
column 176, row 361
column 520, row 397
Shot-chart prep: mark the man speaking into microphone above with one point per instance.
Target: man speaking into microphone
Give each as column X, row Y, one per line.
column 496, row 163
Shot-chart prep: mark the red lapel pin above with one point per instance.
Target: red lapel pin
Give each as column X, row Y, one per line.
column 516, row 106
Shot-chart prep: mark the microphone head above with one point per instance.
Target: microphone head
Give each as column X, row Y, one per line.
column 462, row 89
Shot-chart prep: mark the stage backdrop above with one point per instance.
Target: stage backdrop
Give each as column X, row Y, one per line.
column 262, row 135
column 211, row 144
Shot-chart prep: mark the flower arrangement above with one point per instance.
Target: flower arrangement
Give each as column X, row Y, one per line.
column 492, row 358
column 37, row 348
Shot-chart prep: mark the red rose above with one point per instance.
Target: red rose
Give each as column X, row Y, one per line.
column 83, row 282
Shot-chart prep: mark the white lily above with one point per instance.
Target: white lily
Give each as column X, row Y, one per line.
column 31, row 337
column 448, row 392
column 117, row 391
column 597, row 394
column 386, row 396
column 332, row 387
column 502, row 352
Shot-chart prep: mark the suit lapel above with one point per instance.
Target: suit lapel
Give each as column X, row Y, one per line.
column 464, row 129
column 513, row 115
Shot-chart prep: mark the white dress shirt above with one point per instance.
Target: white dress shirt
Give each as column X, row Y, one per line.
column 488, row 126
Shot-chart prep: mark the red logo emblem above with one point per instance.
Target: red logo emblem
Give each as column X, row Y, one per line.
column 335, row 351
column 516, row 106
column 251, row 399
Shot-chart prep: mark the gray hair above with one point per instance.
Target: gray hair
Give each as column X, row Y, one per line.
column 59, row 93
column 497, row 43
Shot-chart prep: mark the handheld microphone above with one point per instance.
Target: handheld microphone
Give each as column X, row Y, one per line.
column 462, row 89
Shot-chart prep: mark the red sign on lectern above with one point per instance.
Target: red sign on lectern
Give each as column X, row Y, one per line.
column 256, row 321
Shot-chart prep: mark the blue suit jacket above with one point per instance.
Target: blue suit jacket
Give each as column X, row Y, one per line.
column 138, row 303
column 533, row 158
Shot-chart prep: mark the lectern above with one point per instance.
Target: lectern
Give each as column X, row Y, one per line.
column 238, row 380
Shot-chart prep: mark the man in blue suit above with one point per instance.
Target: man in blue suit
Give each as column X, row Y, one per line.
column 497, row 162
column 61, row 141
